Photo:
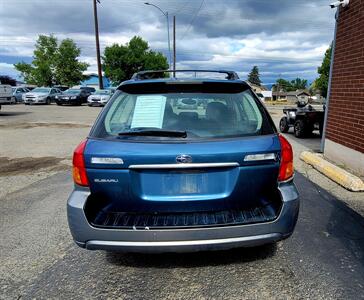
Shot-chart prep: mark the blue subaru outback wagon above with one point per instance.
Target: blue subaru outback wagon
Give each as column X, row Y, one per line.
column 182, row 164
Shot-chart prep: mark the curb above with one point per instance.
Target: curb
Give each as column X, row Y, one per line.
column 339, row 175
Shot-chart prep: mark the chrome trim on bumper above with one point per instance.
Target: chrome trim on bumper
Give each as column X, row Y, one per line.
column 183, row 246
column 185, row 166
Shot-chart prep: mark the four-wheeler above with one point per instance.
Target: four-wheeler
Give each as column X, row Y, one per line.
column 153, row 177
column 304, row 119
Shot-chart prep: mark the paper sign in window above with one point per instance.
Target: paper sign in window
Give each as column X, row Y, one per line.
column 149, row 111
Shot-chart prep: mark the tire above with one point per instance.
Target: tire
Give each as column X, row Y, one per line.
column 13, row 100
column 48, row 101
column 300, row 129
column 283, row 125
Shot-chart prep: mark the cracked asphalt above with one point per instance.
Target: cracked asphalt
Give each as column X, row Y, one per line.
column 324, row 258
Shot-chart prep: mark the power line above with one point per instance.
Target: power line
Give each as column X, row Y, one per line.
column 193, row 20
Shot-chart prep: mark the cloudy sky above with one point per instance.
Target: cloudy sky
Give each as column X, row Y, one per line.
column 284, row 38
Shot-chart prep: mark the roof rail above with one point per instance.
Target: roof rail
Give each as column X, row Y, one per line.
column 143, row 75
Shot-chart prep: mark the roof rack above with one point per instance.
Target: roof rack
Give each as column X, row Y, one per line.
column 143, row 75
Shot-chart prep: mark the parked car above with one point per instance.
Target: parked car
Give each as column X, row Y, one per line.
column 304, row 119
column 99, row 98
column 153, row 178
column 6, row 94
column 62, row 88
column 88, row 89
column 73, row 97
column 44, row 95
column 18, row 93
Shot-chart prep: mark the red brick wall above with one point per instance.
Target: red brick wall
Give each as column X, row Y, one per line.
column 346, row 109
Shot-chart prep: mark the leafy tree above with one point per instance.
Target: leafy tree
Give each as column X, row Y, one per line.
column 26, row 71
column 254, row 76
column 289, row 86
column 282, row 85
column 68, row 70
column 120, row 62
column 322, row 82
column 299, row 84
column 53, row 64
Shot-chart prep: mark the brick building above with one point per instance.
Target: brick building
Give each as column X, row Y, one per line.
column 344, row 141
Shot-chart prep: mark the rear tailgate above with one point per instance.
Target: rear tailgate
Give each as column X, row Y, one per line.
column 145, row 177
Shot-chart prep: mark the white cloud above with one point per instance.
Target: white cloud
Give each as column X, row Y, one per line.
column 278, row 36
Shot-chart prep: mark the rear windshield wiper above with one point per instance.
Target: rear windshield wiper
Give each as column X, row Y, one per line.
column 154, row 132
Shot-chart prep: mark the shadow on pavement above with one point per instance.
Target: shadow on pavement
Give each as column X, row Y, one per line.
column 329, row 234
column 191, row 260
column 13, row 113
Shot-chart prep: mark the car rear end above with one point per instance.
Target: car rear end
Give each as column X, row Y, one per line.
column 181, row 165
column 6, row 94
column 99, row 98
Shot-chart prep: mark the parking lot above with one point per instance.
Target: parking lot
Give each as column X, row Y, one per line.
column 38, row 259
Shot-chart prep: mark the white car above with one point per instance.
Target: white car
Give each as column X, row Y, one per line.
column 99, row 98
column 6, row 94
column 41, row 95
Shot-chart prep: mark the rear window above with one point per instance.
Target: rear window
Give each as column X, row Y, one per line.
column 200, row 115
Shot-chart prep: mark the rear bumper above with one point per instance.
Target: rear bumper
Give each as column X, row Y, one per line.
column 35, row 101
column 70, row 101
column 96, row 103
column 181, row 240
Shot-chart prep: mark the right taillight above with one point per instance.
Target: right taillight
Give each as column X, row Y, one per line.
column 79, row 169
column 286, row 166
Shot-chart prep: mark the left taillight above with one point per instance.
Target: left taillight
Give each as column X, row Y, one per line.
column 79, row 169
column 286, row 166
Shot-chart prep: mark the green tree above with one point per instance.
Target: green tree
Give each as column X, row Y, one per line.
column 288, row 86
column 299, row 84
column 282, row 85
column 254, row 76
column 120, row 62
column 68, row 70
column 53, row 63
column 26, row 71
column 322, row 82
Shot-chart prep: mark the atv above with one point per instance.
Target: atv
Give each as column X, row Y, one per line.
column 304, row 119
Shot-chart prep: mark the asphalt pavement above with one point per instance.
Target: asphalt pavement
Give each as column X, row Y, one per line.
column 324, row 258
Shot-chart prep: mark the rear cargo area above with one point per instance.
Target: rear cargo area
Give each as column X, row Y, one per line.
column 105, row 214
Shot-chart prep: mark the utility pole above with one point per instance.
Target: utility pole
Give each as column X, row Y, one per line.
column 165, row 13
column 99, row 71
column 174, row 46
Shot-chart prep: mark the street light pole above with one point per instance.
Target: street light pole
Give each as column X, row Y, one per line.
column 174, row 46
column 167, row 19
column 101, row 84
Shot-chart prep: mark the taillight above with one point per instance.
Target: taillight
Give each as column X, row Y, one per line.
column 286, row 166
column 79, row 169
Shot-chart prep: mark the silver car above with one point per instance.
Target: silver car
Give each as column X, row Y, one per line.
column 99, row 98
column 18, row 93
column 43, row 95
